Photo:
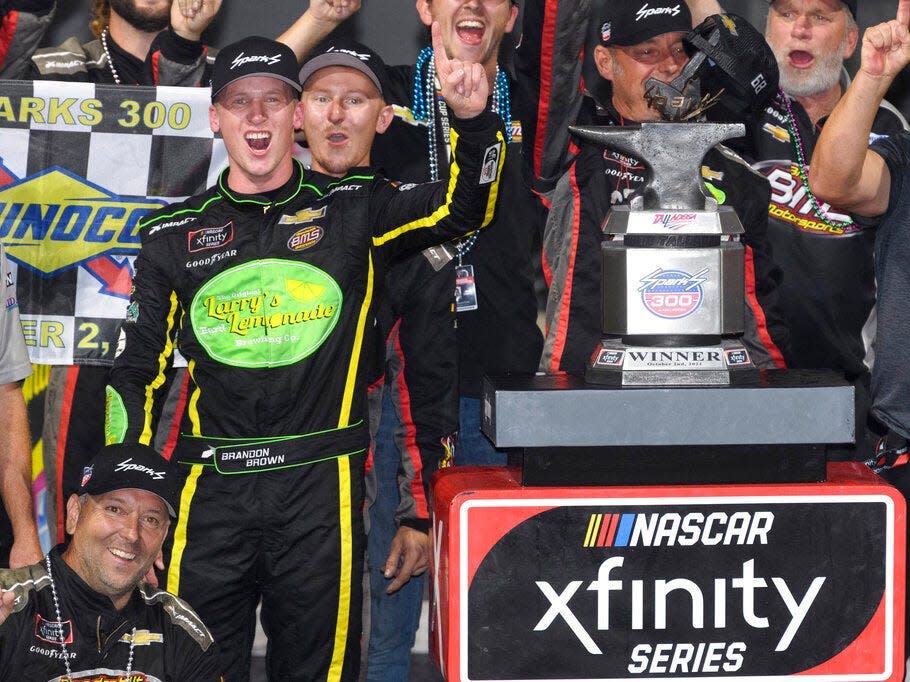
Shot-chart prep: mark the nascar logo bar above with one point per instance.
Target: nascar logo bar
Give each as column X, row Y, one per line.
column 671, row 514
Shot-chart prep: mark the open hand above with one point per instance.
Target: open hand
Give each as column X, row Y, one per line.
column 464, row 84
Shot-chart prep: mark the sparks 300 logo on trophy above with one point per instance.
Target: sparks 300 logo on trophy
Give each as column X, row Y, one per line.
column 672, row 294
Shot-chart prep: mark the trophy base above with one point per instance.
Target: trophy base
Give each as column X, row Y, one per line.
column 614, row 363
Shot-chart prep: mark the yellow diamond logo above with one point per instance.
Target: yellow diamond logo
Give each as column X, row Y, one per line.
column 55, row 220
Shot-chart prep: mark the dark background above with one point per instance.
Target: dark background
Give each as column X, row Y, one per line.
column 394, row 30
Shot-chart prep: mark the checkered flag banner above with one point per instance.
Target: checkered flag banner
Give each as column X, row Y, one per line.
column 80, row 165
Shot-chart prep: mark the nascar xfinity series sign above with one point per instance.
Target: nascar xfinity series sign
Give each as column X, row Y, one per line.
column 733, row 588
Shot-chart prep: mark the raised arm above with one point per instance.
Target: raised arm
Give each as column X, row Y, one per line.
column 844, row 171
column 701, row 9
column 189, row 18
column 464, row 84
column 314, row 25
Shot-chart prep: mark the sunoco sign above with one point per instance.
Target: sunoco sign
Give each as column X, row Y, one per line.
column 690, row 588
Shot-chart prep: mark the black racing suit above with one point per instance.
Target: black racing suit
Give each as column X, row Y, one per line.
column 171, row 642
column 828, row 292
column 272, row 301
column 599, row 178
column 501, row 335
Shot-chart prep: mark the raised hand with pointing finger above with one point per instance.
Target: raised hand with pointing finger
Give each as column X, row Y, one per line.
column 463, row 84
column 886, row 47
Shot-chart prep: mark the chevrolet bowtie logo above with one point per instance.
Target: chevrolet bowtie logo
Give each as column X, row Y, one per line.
column 143, row 638
column 306, row 215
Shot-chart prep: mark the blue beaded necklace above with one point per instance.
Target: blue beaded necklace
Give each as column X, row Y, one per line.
column 423, row 96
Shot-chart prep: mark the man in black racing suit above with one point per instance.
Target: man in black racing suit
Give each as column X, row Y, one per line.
column 269, row 283
column 81, row 613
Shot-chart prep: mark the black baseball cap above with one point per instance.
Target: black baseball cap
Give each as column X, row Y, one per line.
column 131, row 465
column 344, row 51
column 254, row 56
column 631, row 23
column 850, row 4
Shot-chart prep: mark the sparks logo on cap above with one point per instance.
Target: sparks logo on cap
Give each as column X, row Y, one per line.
column 606, row 31
column 242, row 59
column 86, row 476
column 672, row 294
column 362, row 56
column 644, row 11
column 127, row 465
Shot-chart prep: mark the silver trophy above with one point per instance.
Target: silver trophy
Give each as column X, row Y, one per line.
column 672, row 283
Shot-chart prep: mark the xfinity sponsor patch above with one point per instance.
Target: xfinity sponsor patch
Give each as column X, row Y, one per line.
column 210, row 238
column 609, row 358
column 53, row 631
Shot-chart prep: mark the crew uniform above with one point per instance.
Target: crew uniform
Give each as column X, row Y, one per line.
column 828, row 294
column 599, row 178
column 171, row 643
column 171, row 60
column 272, row 300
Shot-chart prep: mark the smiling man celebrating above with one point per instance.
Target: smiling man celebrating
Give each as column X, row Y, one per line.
column 269, row 283
column 83, row 612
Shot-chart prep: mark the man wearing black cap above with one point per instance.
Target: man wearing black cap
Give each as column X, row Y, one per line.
column 828, row 292
column 269, row 283
column 83, row 613
column 641, row 46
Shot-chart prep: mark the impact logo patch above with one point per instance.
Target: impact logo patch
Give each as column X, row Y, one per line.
column 210, row 238
column 54, row 221
column 672, row 294
column 305, row 238
column 53, row 631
